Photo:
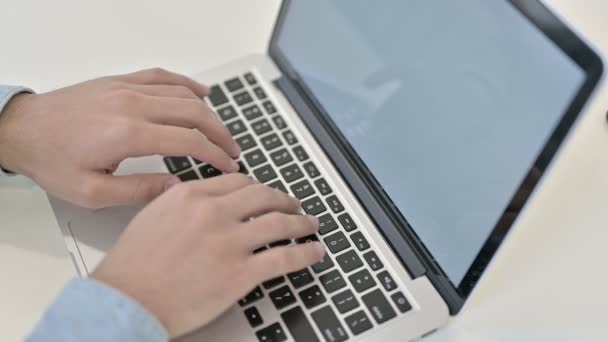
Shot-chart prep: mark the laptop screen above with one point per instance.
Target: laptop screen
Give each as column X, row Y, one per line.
column 447, row 103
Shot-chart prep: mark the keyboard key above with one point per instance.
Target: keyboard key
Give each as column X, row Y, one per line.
column 281, row 157
column 282, row 297
column 265, row 173
column 327, row 224
column 312, row 170
column 300, row 153
column 188, row 176
column 250, row 78
column 347, row 222
column 337, row 242
column 252, row 112
column 290, row 137
column 334, row 204
column 253, row 316
column 401, row 302
column 329, row 325
column 387, row 281
column 312, row 297
column 345, row 301
column 279, row 122
column 323, row 187
column 314, row 206
column 302, row 189
column 255, row 158
column 362, row 280
column 227, row 113
column 208, row 171
column 358, row 322
column 254, row 295
column 307, row 239
column 261, row 126
column 177, row 164
column 278, row 185
column 323, row 264
column 298, row 325
column 242, row 168
column 274, row 282
column 359, row 241
column 270, row 108
column 270, row 142
column 332, row 281
column 349, row 261
column 217, row 96
column 259, row 93
column 242, row 98
column 272, row 333
column 378, row 306
column 373, row 261
column 233, row 84
column 246, row 142
column 300, row 278
column 196, row 161
column 236, row 127
column 291, row 173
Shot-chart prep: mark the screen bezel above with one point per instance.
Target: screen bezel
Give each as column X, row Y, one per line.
column 543, row 19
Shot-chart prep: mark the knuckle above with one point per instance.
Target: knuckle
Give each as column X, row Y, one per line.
column 182, row 191
column 156, row 72
column 90, row 191
column 125, row 99
column 184, row 91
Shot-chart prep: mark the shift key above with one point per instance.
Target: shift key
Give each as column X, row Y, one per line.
column 378, row 306
column 329, row 325
column 299, row 326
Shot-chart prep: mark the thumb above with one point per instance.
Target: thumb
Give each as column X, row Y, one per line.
column 132, row 189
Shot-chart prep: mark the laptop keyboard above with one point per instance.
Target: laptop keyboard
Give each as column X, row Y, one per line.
column 349, row 291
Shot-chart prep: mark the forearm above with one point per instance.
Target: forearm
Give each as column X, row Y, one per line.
column 7, row 93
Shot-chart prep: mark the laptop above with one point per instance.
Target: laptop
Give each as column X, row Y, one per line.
column 415, row 130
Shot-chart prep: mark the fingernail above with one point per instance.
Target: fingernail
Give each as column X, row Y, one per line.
column 171, row 182
column 319, row 249
column 236, row 150
column 314, row 220
column 235, row 166
column 296, row 201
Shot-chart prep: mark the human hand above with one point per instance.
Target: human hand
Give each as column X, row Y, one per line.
column 188, row 256
column 71, row 140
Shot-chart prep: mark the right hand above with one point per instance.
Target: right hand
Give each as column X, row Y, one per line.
column 188, row 256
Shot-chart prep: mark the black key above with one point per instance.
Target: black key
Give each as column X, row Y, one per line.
column 265, row 173
column 302, row 189
column 327, row 224
column 270, row 142
column 252, row 296
column 329, row 325
column 270, row 283
column 196, row 161
column 217, row 96
column 347, row 222
column 208, row 171
column 359, row 241
column 278, row 185
column 255, row 158
column 188, row 176
column 323, row 187
column 270, row 108
column 311, row 170
column 226, row 113
column 332, row 281
column 281, row 157
column 300, row 278
column 259, row 93
column 334, row 204
column 345, row 301
column 242, row 168
column 280, row 243
column 300, row 153
column 290, row 137
column 233, row 84
column 252, row 112
column 312, row 297
column 401, row 302
column 349, row 261
column 387, row 281
column 272, row 333
column 373, row 261
column 298, row 325
column 177, row 164
column 337, row 242
column 242, row 98
column 261, row 126
column 362, row 280
column 291, row 173
column 307, row 239
column 254, row 317
column 313, row 206
column 378, row 306
column 323, row 265
column 279, row 122
column 246, row 142
column 282, row 297
column 358, row 322
column 236, row 127
column 250, row 78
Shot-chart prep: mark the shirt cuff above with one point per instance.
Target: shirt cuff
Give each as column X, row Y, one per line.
column 6, row 94
column 88, row 310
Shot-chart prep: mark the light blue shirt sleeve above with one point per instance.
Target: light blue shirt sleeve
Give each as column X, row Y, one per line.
column 88, row 310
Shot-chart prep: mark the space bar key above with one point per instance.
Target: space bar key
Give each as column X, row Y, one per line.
column 299, row 326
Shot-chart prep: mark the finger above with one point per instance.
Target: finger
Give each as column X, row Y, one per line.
column 161, row 76
column 221, row 185
column 276, row 227
column 256, row 200
column 277, row 261
column 161, row 90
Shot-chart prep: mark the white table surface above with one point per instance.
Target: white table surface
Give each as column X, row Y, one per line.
column 548, row 282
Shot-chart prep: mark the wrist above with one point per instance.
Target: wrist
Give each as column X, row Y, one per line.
column 10, row 131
